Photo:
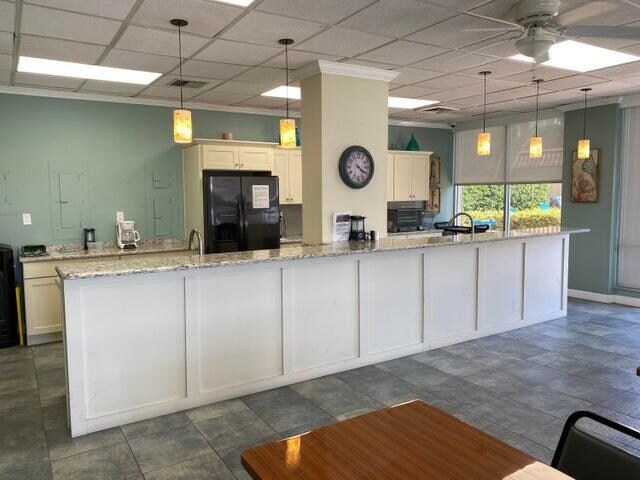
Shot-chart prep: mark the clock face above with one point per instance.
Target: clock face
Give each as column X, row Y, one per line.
column 356, row 167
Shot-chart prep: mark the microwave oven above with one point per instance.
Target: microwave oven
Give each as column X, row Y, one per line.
column 404, row 219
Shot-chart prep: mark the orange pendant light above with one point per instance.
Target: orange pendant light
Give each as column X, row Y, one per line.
column 182, row 123
column 483, row 146
column 535, row 144
column 584, row 145
column 287, row 125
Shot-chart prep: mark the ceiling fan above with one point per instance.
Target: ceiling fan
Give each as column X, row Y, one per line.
column 542, row 25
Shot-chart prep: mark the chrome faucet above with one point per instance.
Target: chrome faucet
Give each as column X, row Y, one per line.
column 452, row 222
column 196, row 233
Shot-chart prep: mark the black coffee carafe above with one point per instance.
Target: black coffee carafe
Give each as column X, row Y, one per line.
column 89, row 237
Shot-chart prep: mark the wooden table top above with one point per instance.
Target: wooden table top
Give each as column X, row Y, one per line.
column 409, row 441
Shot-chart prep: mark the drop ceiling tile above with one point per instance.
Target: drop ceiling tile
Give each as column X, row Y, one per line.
column 402, row 52
column 612, row 86
column 344, row 42
column 454, row 32
column 267, row 29
column 139, row 61
column 220, row 98
column 266, row 102
column 409, row 75
column 7, row 15
column 560, row 98
column 56, row 49
column 32, row 79
column 187, row 91
column 610, row 43
column 204, row 17
column 6, row 42
column 5, row 77
column 572, row 82
column 502, row 45
column 458, row 5
column 454, row 95
column 579, row 12
column 139, row 39
column 497, row 9
column 117, row 9
column 410, row 91
column 396, row 18
column 448, row 82
column 324, row 11
column 5, row 62
column 545, row 73
column 163, row 91
column 95, row 86
column 222, row 71
column 616, row 73
column 500, row 69
column 298, row 59
column 454, row 61
column 632, row 49
column 366, row 63
column 242, row 88
column 239, row 53
column 263, row 76
column 70, row 26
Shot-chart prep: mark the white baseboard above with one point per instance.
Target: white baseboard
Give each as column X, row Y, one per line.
column 603, row 298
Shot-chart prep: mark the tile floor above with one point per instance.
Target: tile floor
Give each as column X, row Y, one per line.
column 519, row 386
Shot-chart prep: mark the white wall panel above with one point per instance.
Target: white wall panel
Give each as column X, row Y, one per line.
column 239, row 326
column 544, row 268
column 134, row 351
column 395, row 299
column 500, row 283
column 325, row 312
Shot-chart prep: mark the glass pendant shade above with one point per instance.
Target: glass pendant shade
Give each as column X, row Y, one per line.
column 535, row 147
column 182, row 127
column 584, row 148
column 287, row 133
column 484, row 144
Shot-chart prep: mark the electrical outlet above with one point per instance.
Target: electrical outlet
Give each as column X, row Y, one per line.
column 26, row 219
column 120, row 216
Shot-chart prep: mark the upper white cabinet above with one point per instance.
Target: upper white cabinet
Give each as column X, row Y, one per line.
column 220, row 157
column 238, row 156
column 410, row 176
column 255, row 158
column 287, row 166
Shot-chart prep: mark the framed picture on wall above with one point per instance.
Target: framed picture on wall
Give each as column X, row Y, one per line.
column 433, row 204
column 435, row 166
column 585, row 177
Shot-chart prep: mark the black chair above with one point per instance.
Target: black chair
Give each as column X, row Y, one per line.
column 584, row 456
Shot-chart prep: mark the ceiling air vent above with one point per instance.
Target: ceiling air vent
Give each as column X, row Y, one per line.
column 186, row 83
column 436, row 109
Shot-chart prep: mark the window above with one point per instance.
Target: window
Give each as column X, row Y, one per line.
column 530, row 189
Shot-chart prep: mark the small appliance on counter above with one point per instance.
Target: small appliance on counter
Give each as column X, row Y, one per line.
column 404, row 219
column 358, row 232
column 33, row 251
column 8, row 303
column 89, row 237
column 127, row 235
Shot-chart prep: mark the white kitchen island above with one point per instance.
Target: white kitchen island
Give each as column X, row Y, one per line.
column 150, row 337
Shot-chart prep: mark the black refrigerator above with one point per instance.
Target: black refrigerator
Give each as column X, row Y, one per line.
column 241, row 211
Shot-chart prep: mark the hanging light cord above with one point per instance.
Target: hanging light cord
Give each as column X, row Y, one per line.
column 537, row 103
column 180, row 55
column 484, row 106
column 584, row 116
column 286, row 62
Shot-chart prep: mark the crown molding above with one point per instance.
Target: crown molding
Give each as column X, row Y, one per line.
column 344, row 69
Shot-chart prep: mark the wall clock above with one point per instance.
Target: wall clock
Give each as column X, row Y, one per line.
column 356, row 167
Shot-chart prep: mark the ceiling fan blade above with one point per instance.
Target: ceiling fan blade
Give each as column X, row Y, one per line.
column 585, row 12
column 598, row 31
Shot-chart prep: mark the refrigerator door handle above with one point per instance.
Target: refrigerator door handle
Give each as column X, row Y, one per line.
column 241, row 229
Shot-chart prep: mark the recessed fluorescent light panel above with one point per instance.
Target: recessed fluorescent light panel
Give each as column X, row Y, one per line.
column 394, row 102
column 581, row 57
column 81, row 70
column 240, row 3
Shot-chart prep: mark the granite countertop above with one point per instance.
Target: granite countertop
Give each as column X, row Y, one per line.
column 429, row 231
column 188, row 260
column 75, row 251
column 290, row 239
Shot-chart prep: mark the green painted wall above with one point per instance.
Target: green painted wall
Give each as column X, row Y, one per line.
column 439, row 141
column 592, row 256
column 124, row 158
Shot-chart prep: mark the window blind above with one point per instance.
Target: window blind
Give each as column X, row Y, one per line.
column 629, row 238
column 546, row 169
column 471, row 168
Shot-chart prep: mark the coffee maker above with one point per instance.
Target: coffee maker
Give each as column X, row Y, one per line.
column 357, row 233
column 128, row 236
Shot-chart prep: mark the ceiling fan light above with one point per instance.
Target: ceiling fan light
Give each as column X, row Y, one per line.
column 287, row 133
column 483, row 147
column 182, row 126
column 535, row 147
column 584, row 148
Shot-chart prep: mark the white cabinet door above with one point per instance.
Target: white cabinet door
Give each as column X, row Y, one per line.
column 220, row 157
column 295, row 177
column 390, row 163
column 420, row 177
column 402, row 177
column 42, row 306
column 280, row 162
column 255, row 158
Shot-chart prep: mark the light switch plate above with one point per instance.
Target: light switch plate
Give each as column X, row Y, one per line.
column 120, row 216
column 26, row 219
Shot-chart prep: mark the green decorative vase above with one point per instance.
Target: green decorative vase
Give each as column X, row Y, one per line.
column 413, row 146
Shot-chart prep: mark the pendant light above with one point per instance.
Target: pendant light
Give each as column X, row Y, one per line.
column 483, row 146
column 535, row 144
column 584, row 145
column 287, row 125
column 182, row 125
